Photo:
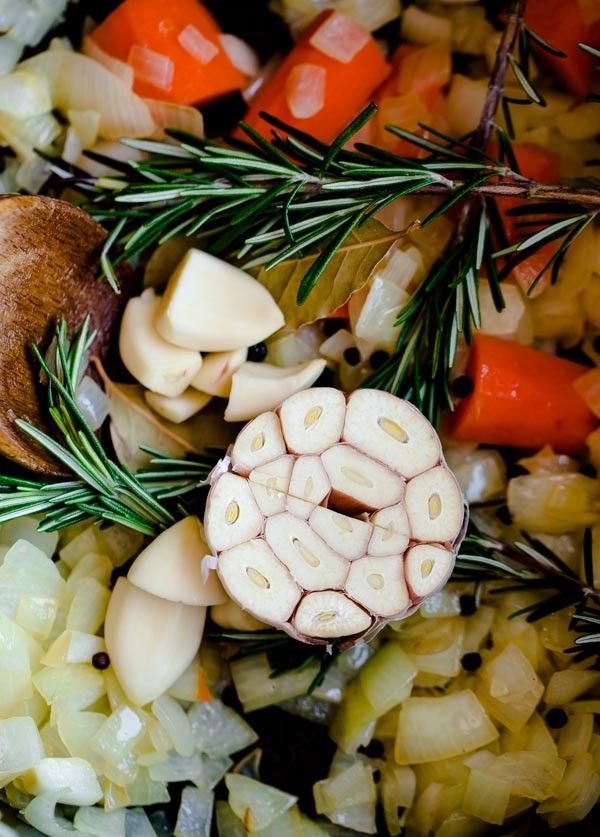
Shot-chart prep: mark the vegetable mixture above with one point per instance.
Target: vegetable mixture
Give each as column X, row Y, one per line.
column 322, row 555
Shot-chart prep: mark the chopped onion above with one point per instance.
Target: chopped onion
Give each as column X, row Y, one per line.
column 71, row 780
column 305, row 90
column 118, row 68
column 241, row 55
column 482, row 476
column 11, row 50
column 340, row 38
column 513, row 322
column 92, row 401
column 576, row 736
column 464, row 103
column 20, row 745
column 41, row 814
column 555, row 316
column 137, row 824
column 566, row 686
column 555, row 504
column 98, row 822
column 173, row 115
column 531, row 775
column 194, row 816
column 255, row 687
column 588, row 387
column 151, row 67
column 258, row 805
column 421, row 27
column 24, row 94
column 354, row 721
column 199, row 47
column 218, row 730
column 509, row 688
column 175, row 722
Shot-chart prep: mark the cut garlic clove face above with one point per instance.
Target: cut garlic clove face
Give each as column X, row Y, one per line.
column 150, row 641
column 212, row 306
column 378, row 584
column 391, row 431
column 391, row 531
column 171, row 566
column 216, row 372
column 359, row 482
column 309, row 486
column 270, row 484
column 160, row 366
column 313, row 420
column 435, row 506
column 313, row 564
column 328, row 614
column 258, row 442
column 347, row 535
column 177, row 408
column 427, row 568
column 252, row 575
column 232, row 515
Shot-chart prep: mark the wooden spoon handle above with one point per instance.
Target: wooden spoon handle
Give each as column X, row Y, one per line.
column 49, row 256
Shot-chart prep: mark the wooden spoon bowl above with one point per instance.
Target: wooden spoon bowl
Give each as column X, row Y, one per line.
column 49, row 256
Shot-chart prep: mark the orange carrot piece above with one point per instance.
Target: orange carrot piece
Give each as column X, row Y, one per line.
column 347, row 83
column 182, row 32
column 523, row 398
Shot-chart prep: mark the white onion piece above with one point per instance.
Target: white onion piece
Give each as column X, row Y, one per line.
column 305, row 90
column 79, row 83
column 199, row 47
column 241, row 54
column 118, row 68
column 340, row 38
column 40, row 813
column 93, row 402
column 174, row 115
column 152, row 67
column 10, row 52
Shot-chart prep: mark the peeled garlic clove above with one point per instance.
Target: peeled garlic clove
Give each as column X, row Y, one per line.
column 427, row 568
column 309, row 485
column 391, row 431
column 329, row 614
column 171, row 566
column 347, row 535
column 177, row 408
column 313, row 564
column 258, row 387
column 232, row 515
column 435, row 506
column 150, row 641
column 258, row 442
column 255, row 579
column 160, row 366
column 359, row 482
column 216, row 372
column 313, row 420
column 212, row 306
column 378, row 584
column 391, row 531
column 270, row 484
column 230, row 616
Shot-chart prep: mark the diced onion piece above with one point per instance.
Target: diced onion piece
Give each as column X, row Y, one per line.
column 566, row 686
column 20, row 745
column 482, row 476
column 257, row 804
column 432, row 728
column 531, row 775
column 174, row 115
column 509, row 688
column 218, row 730
column 588, row 387
column 241, row 54
column 73, row 780
column 256, row 688
column 464, row 103
column 194, row 816
column 421, row 27
column 305, row 90
column 486, row 797
column 352, row 786
column 199, row 47
column 152, row 67
column 118, row 68
column 175, row 722
column 387, row 678
column 40, row 813
column 24, row 94
column 555, row 504
column 93, row 402
column 340, row 38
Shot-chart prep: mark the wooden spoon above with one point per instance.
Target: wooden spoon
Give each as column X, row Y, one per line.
column 49, row 255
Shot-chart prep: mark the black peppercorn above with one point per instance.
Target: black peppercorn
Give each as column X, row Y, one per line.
column 101, row 660
column 556, row 718
column 332, row 325
column 588, row 470
column 468, row 605
column 257, row 353
column 352, row 356
column 462, row 386
column 471, row 662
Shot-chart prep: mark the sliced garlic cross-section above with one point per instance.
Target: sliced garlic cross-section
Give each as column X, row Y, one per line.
column 336, row 515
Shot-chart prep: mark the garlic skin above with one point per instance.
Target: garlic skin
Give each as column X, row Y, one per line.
column 336, row 516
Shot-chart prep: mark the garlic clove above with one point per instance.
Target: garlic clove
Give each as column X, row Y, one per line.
column 427, row 568
column 230, row 616
column 258, row 387
column 346, row 535
column 160, row 366
column 150, row 641
column 312, row 420
column 312, row 563
column 212, row 306
column 171, row 566
column 435, row 506
column 258, row 442
column 391, row 531
column 378, row 584
column 260, row 584
column 270, row 484
column 391, row 431
column 232, row 515
column 328, row 614
column 309, row 485
column 177, row 408
column 216, row 372
column 360, row 483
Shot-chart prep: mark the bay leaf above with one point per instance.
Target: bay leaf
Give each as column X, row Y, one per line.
column 346, row 273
